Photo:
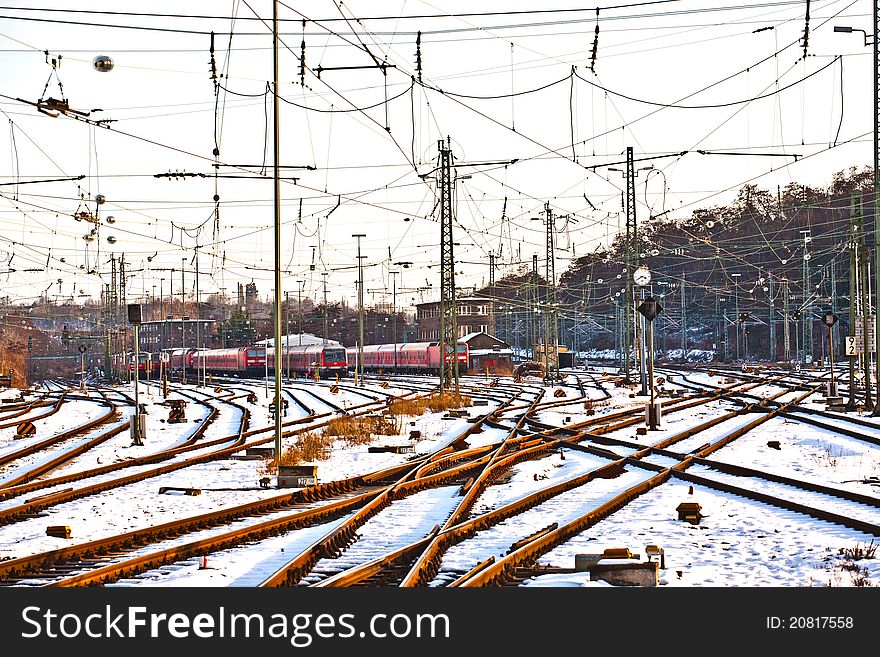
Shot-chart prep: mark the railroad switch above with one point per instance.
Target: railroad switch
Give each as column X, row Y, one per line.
column 252, row 398
column 559, row 393
column 773, row 444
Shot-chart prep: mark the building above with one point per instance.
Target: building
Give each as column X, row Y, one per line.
column 177, row 333
column 475, row 315
column 486, row 352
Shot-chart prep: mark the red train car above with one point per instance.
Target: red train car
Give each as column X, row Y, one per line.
column 244, row 361
column 328, row 360
column 412, row 357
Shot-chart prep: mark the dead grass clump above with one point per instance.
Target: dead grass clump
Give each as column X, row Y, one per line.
column 858, row 552
column 360, row 429
column 432, row 403
column 308, row 447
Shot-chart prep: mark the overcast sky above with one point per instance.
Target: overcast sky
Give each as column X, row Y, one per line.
column 520, row 87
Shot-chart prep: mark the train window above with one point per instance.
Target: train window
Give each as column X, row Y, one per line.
column 256, row 353
column 335, row 355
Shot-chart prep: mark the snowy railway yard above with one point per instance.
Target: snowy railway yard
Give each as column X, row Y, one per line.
column 748, row 482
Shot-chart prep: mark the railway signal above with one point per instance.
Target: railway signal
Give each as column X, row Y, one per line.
column 650, row 308
column 829, row 319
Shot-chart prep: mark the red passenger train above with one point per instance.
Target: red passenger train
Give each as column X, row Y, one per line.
column 328, row 360
column 412, row 357
column 245, row 361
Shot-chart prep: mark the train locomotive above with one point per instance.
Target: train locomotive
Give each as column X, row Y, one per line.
column 324, row 360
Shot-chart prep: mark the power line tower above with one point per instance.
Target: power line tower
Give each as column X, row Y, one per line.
column 448, row 315
column 551, row 323
column 630, row 257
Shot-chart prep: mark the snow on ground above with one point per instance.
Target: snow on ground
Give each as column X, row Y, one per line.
column 738, row 542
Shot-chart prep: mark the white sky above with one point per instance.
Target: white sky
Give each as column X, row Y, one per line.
column 161, row 100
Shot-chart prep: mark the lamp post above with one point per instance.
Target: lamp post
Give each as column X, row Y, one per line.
column 642, row 277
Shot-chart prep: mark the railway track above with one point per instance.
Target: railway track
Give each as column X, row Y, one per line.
column 441, row 518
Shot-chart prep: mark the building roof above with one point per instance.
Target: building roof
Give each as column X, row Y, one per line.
column 296, row 339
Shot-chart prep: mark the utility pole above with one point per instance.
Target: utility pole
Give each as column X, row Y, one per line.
column 359, row 369
column 683, row 318
column 183, row 320
column 806, row 319
column 286, row 330
column 492, row 288
column 276, row 151
column 772, row 319
column 876, row 202
column 299, row 311
column 853, row 294
column 630, row 257
column 866, row 311
column 394, row 314
column 324, row 274
column 786, row 327
column 834, row 343
column 199, row 328
column 533, row 311
column 448, row 309
column 736, row 310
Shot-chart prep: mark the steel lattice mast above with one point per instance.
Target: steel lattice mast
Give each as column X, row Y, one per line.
column 448, row 316
column 630, row 258
column 551, row 327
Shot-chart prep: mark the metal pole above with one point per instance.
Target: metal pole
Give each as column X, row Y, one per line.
column 641, row 330
column 394, row 314
column 684, row 340
column 324, row 274
column 772, row 321
column 652, row 415
column 853, row 285
column 876, row 201
column 359, row 370
column 286, row 331
column 630, row 257
column 182, row 321
column 277, row 233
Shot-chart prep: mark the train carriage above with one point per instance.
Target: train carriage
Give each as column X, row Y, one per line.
column 327, row 360
column 412, row 357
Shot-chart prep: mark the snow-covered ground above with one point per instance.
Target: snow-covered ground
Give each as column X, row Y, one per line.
column 738, row 542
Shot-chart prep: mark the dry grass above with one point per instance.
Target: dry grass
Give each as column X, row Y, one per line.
column 858, row 552
column 360, row 429
column 433, row 403
column 309, row 447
